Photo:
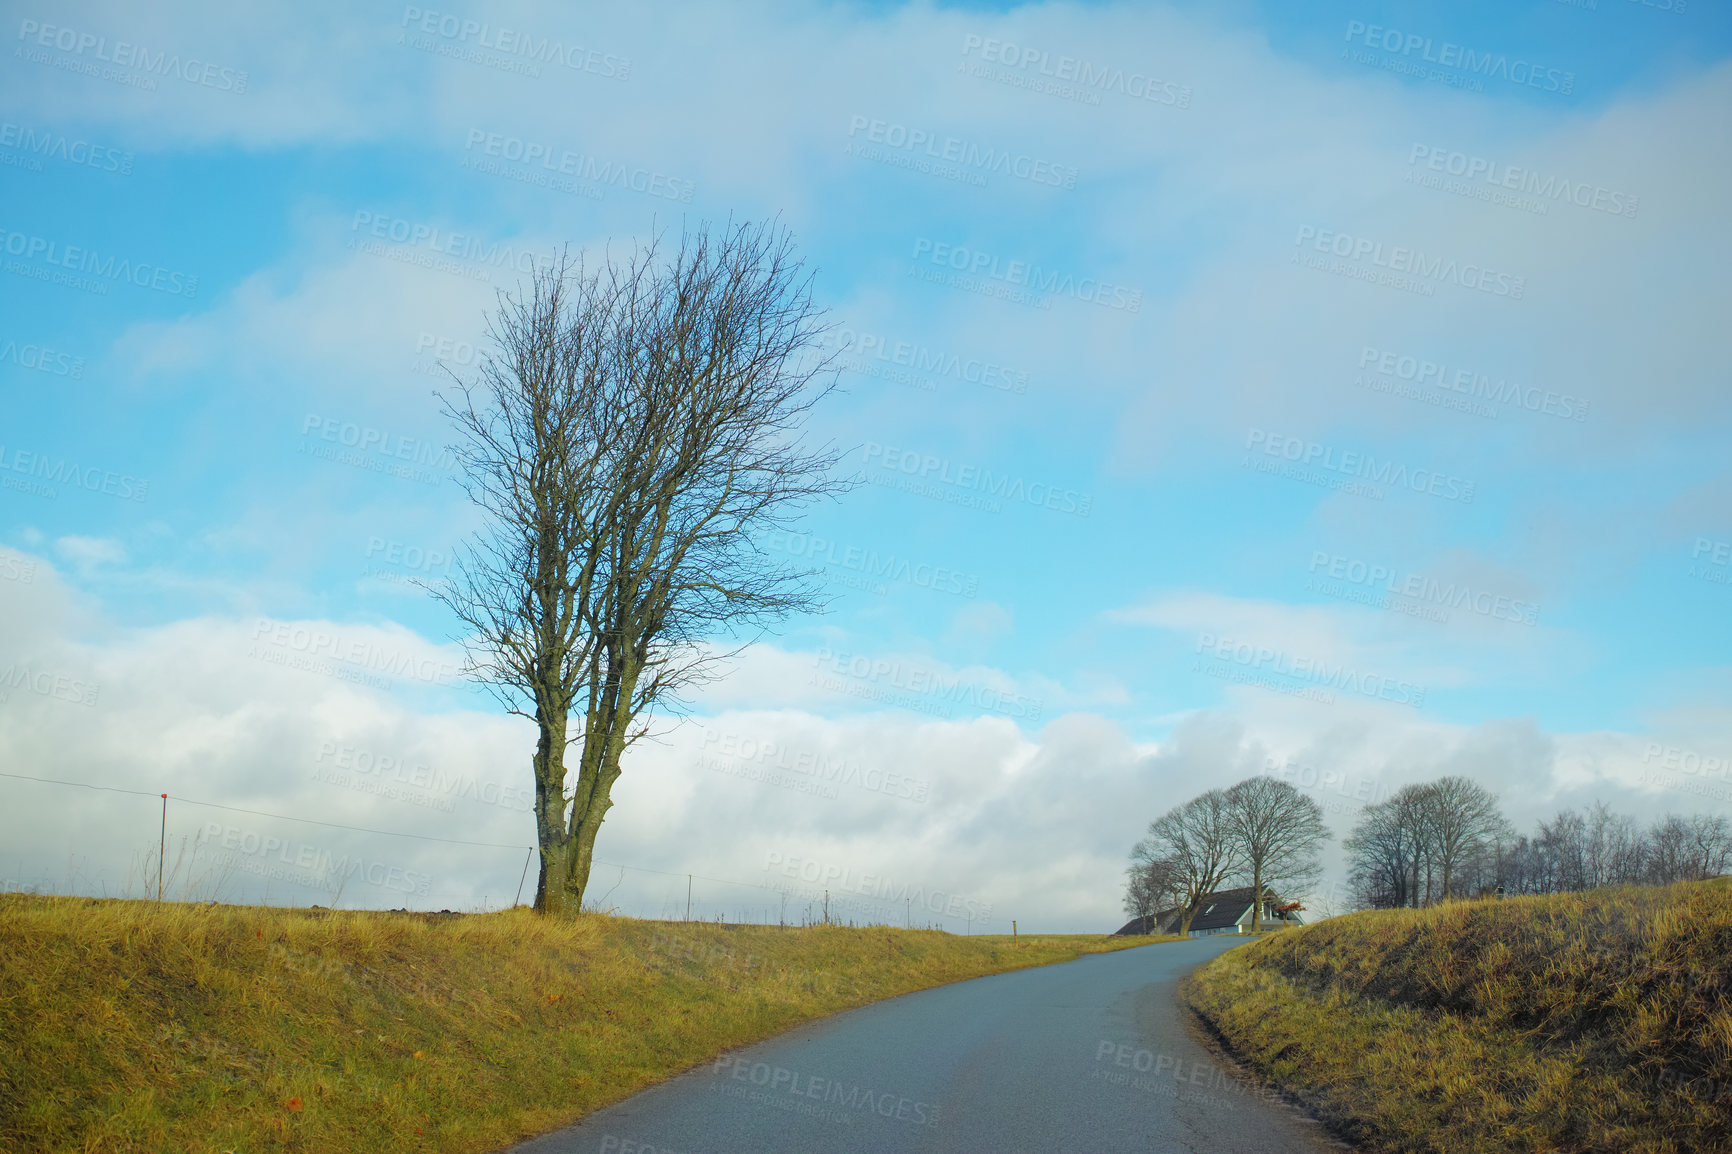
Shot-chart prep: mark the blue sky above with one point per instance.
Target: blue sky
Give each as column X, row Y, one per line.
column 1172, row 326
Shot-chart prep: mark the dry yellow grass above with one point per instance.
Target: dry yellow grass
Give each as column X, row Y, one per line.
column 129, row 1026
column 1579, row 1022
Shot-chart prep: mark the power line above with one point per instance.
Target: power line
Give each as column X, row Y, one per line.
column 384, row 832
column 277, row 816
column 80, row 784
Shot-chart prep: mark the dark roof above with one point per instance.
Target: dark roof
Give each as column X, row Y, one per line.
column 1160, row 922
column 1218, row 910
column 1221, row 909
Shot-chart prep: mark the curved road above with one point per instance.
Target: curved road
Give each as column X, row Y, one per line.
column 1090, row 1056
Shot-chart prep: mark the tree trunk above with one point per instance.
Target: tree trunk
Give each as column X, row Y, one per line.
column 555, row 895
column 551, row 894
column 583, row 850
column 1256, row 897
column 604, row 743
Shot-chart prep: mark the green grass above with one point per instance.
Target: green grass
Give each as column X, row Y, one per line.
column 132, row 1026
column 1599, row 1021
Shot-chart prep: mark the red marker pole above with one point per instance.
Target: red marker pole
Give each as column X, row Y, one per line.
column 161, row 847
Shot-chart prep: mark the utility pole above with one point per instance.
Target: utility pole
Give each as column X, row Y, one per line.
column 907, row 913
column 688, row 897
column 519, row 898
column 161, row 847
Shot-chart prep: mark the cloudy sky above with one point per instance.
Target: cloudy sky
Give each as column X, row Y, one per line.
column 1339, row 389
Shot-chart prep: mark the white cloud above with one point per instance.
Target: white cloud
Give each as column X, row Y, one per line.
column 336, row 323
column 89, row 553
column 975, row 816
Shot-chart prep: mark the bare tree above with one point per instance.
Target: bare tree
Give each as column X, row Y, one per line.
column 1279, row 834
column 1414, row 810
column 1151, row 886
column 1688, row 849
column 1561, row 850
column 1517, row 870
column 1197, row 838
column 1613, row 849
column 1710, row 845
column 1669, row 851
column 1575, row 850
column 1463, row 819
column 637, row 426
column 1392, row 849
column 1382, row 849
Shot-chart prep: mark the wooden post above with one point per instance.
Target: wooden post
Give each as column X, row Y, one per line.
column 162, row 847
column 519, row 898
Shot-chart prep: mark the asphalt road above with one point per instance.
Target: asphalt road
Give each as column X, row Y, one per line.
column 1091, row 1056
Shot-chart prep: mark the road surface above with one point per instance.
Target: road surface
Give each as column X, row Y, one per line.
column 1090, row 1056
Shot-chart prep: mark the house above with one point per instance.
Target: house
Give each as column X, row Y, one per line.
column 1161, row 923
column 1222, row 912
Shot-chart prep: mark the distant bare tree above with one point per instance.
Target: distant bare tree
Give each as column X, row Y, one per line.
column 1462, row 819
column 1516, row 867
column 1407, row 851
column 1688, row 849
column 1415, row 809
column 1197, row 838
column 1561, row 853
column 1669, row 858
column 1710, row 845
column 1279, row 834
column 635, row 429
column 1383, row 849
column 1574, row 850
column 1151, row 886
column 1614, row 850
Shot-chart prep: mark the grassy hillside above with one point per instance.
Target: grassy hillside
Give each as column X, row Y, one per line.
column 129, row 1026
column 1598, row 1021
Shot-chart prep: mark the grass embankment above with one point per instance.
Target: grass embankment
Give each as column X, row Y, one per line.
column 129, row 1026
column 1598, row 1021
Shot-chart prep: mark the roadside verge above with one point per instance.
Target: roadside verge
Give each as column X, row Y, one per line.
column 1574, row 1022
column 132, row 1026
